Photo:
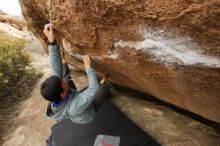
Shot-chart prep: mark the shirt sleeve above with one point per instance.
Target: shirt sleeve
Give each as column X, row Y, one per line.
column 84, row 99
column 55, row 60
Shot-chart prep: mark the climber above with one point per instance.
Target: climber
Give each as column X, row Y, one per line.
column 64, row 100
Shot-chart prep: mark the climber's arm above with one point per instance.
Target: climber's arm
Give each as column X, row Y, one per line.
column 85, row 98
column 55, row 60
column 54, row 52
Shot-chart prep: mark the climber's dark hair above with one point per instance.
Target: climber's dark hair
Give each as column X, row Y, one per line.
column 51, row 89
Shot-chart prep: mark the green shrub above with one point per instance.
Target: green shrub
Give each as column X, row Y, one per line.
column 12, row 62
column 16, row 79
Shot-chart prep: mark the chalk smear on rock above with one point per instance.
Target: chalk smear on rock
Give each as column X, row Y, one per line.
column 170, row 49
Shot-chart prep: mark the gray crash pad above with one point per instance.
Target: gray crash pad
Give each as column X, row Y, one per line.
column 108, row 121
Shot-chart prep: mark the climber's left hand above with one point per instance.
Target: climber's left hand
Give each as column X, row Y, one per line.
column 48, row 31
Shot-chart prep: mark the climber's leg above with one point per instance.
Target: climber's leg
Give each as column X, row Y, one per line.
column 67, row 77
column 102, row 94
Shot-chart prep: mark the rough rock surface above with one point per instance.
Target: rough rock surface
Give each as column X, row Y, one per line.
column 169, row 49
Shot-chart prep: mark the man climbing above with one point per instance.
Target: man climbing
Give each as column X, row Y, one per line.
column 64, row 100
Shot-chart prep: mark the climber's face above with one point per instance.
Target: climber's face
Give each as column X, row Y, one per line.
column 65, row 88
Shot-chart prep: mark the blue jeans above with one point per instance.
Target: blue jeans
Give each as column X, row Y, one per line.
column 67, row 77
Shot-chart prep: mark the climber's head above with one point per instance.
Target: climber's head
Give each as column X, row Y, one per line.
column 54, row 89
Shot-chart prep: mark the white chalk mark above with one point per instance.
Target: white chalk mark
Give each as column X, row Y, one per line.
column 78, row 56
column 67, row 47
column 170, row 49
column 112, row 55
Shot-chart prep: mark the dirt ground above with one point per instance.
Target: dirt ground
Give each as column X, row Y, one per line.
column 168, row 127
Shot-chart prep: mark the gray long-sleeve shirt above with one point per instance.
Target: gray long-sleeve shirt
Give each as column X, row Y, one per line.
column 77, row 106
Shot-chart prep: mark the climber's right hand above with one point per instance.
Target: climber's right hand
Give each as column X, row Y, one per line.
column 87, row 61
column 48, row 31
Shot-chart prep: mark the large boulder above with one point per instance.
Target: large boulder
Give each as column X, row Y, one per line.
column 169, row 49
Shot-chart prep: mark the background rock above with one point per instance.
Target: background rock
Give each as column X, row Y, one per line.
column 169, row 49
column 13, row 25
column 15, row 21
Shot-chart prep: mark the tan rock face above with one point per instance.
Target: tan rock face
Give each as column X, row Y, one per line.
column 169, row 49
